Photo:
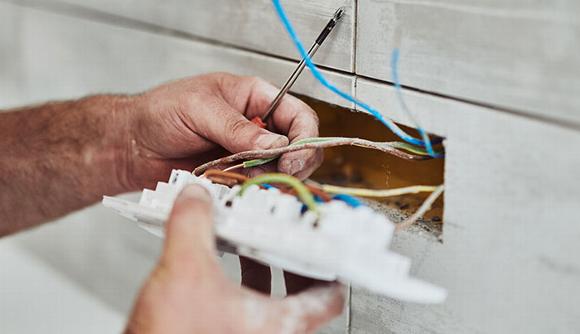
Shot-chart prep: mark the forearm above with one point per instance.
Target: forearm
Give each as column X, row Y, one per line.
column 60, row 157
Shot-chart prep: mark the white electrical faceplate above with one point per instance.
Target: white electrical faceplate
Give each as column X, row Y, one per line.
column 342, row 243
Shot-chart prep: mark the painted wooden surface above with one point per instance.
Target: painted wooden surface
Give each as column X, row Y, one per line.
column 520, row 55
column 250, row 24
column 510, row 233
column 95, row 58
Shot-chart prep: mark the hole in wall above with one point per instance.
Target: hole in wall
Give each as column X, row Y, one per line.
column 358, row 167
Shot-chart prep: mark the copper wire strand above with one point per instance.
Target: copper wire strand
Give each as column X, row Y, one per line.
column 234, row 167
column 386, row 147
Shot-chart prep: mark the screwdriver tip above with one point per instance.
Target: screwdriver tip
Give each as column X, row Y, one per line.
column 339, row 14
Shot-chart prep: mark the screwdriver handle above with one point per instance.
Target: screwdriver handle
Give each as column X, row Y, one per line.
column 259, row 122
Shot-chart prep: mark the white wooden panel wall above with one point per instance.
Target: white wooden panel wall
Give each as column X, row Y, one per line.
column 521, row 55
column 510, row 238
column 250, row 24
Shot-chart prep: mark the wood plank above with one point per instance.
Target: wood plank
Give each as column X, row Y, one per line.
column 65, row 57
column 251, row 24
column 510, row 234
column 519, row 55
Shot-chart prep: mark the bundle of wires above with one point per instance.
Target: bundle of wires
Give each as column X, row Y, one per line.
column 259, row 157
column 311, row 193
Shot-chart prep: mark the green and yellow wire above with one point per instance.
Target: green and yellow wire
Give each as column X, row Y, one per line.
column 278, row 178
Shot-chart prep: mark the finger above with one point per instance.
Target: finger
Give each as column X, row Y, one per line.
column 295, row 119
column 267, row 168
column 189, row 239
column 313, row 308
column 255, row 276
column 292, row 117
column 230, row 129
column 301, row 164
column 296, row 283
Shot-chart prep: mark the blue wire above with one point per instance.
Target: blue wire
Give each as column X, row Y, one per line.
column 399, row 92
column 350, row 200
column 320, row 77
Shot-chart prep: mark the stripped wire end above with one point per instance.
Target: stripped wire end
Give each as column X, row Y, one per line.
column 234, row 167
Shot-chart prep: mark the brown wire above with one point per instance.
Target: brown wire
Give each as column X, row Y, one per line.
column 229, row 179
column 236, row 176
column 319, row 192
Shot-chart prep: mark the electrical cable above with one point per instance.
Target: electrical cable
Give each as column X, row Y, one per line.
column 235, row 176
column 320, row 77
column 422, row 209
column 257, row 162
column 302, row 191
column 229, row 179
column 225, row 178
column 403, row 104
column 362, row 192
column 348, row 199
column 271, row 154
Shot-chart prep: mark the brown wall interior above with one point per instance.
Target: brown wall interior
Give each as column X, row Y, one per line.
column 354, row 166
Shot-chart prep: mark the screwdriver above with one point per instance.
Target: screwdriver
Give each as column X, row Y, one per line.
column 261, row 122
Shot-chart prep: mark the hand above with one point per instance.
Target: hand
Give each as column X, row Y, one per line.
column 187, row 122
column 188, row 293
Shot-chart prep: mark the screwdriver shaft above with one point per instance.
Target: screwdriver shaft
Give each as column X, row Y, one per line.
column 292, row 79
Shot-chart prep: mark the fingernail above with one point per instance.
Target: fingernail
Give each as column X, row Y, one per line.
column 267, row 141
column 196, row 192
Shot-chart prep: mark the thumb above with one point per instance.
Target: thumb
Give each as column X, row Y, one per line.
column 312, row 308
column 189, row 233
column 234, row 132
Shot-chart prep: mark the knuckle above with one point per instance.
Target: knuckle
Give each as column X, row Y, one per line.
column 224, row 79
column 236, row 127
column 258, row 84
column 315, row 117
column 310, row 113
column 253, row 80
column 222, row 75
